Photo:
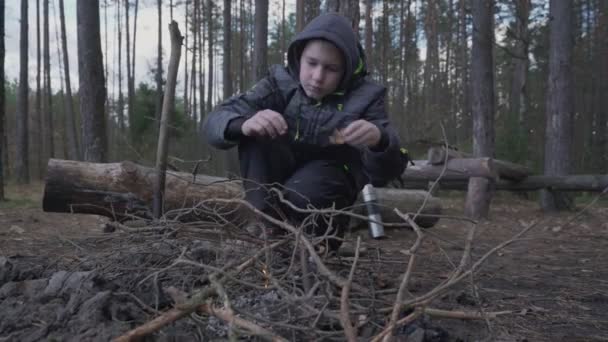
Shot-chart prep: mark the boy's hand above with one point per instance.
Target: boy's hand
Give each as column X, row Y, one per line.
column 361, row 133
column 265, row 123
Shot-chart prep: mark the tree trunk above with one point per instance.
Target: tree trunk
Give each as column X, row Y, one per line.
column 349, row 9
column 312, row 8
column 479, row 194
column 131, row 82
column 399, row 102
column 105, row 41
column 201, row 75
column 560, row 103
column 227, row 66
column 251, row 43
column 231, row 157
column 130, row 71
column 120, row 110
column 22, row 161
column 260, row 51
column 121, row 190
column 431, row 66
column 159, row 63
column 61, row 114
column 210, row 57
column 48, row 92
column 517, row 98
column 167, row 114
column 464, row 86
column 300, row 9
column 283, row 33
column 410, row 69
column 242, row 47
column 447, row 79
column 4, row 156
column 37, row 136
column 195, row 48
column 600, row 139
column 90, row 73
column 3, row 147
column 584, row 25
column 369, row 32
column 186, row 29
column 73, row 149
column 385, row 42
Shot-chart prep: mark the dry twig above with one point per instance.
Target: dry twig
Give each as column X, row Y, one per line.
column 349, row 331
column 406, row 277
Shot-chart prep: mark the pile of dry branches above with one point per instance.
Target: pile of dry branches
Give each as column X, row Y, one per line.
column 231, row 282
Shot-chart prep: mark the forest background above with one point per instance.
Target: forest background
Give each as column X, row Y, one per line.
column 421, row 50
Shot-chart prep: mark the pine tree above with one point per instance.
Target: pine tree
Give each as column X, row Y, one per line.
column 560, row 103
column 22, row 162
column 91, row 77
column 479, row 192
column 71, row 133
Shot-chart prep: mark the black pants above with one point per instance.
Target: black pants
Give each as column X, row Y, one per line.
column 304, row 180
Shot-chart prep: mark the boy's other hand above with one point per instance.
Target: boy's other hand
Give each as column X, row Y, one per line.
column 361, row 133
column 265, row 123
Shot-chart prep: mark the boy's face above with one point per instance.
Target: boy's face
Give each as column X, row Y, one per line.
column 321, row 68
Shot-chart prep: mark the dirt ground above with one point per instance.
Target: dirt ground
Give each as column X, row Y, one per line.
column 553, row 281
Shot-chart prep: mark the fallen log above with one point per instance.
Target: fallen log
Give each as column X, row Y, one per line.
column 455, row 169
column 505, row 169
column 123, row 191
column 594, row 183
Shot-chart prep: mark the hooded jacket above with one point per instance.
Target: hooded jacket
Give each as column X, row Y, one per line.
column 311, row 123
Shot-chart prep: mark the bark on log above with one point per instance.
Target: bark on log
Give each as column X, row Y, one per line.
column 125, row 190
column 406, row 201
column 455, row 169
column 505, row 169
column 595, row 183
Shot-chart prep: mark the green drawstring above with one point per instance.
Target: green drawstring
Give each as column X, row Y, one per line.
column 360, row 67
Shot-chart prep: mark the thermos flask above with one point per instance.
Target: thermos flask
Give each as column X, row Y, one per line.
column 376, row 230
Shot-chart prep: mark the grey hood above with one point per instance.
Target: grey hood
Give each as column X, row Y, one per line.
column 336, row 29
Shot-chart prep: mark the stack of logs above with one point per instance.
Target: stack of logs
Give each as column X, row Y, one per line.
column 451, row 170
column 123, row 191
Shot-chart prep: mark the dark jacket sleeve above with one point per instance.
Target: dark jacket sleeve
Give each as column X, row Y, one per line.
column 386, row 164
column 263, row 95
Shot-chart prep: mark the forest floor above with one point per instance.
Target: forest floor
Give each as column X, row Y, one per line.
column 553, row 281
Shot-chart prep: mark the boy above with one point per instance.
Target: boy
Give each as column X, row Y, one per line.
column 316, row 127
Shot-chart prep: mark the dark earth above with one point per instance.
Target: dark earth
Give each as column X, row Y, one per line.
column 58, row 282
